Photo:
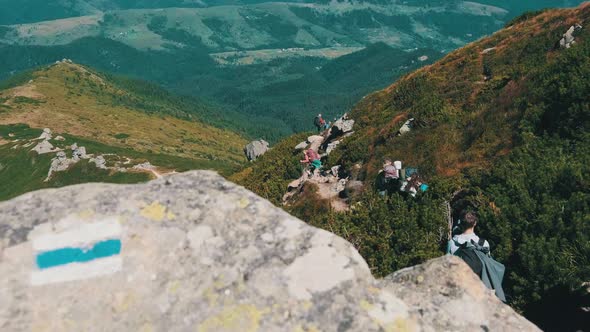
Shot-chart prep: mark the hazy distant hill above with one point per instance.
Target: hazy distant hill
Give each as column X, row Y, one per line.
column 262, row 60
column 28, row 11
column 126, row 122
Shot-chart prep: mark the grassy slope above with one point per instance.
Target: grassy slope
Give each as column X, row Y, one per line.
column 22, row 170
column 465, row 122
column 72, row 99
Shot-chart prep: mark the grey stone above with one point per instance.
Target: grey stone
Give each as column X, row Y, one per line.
column 315, row 138
column 197, row 254
column 568, row 37
column 406, row 127
column 99, row 161
column 301, row 146
column 332, row 146
column 44, row 147
column 46, row 134
column 147, row 166
column 448, row 296
column 343, row 125
column 79, row 152
column 255, row 149
column 59, row 164
column 59, row 138
column 488, row 50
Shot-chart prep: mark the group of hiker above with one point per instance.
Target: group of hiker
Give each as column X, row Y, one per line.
column 393, row 177
column 465, row 243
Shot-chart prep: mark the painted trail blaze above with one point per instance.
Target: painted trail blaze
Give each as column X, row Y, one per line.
column 64, row 256
column 81, row 252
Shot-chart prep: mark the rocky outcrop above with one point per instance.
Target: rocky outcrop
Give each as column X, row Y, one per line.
column 343, row 125
column 99, row 161
column 46, row 134
column 447, row 296
column 255, row 149
column 568, row 37
column 44, row 147
column 406, row 127
column 59, row 164
column 78, row 152
column 315, row 141
column 301, row 145
column 195, row 252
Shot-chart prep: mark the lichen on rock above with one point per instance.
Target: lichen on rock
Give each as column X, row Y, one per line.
column 196, row 253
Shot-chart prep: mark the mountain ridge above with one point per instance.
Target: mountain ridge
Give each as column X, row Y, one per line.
column 66, row 124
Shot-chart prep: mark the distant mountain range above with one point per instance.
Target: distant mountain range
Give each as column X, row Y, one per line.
column 128, row 123
column 263, row 60
column 29, row 11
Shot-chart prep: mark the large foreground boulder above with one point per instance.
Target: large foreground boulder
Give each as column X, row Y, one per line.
column 256, row 149
column 193, row 252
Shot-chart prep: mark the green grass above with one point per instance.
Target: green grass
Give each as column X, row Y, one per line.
column 121, row 136
column 85, row 172
column 158, row 159
column 26, row 100
column 22, row 170
column 20, row 131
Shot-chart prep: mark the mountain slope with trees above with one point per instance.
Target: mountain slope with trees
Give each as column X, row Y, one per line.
column 502, row 127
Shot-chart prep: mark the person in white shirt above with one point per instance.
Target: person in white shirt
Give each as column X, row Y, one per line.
column 468, row 223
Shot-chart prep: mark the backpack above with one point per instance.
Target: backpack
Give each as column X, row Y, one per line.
column 488, row 269
column 467, row 253
column 317, row 121
column 411, row 171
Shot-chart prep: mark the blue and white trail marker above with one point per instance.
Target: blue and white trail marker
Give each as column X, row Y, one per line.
column 82, row 252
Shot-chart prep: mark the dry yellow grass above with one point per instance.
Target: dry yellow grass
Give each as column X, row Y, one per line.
column 55, row 100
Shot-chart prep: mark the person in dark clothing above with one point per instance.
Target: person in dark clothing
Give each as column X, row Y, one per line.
column 319, row 122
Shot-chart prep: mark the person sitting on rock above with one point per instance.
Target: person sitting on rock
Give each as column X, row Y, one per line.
column 391, row 172
column 313, row 159
column 388, row 178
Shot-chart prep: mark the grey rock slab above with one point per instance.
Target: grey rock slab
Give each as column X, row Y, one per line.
column 44, row 147
column 255, row 149
column 448, row 296
column 46, row 134
column 344, row 125
column 301, row 146
column 198, row 253
column 99, row 161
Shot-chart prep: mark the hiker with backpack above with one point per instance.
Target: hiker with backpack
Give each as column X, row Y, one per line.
column 467, row 223
column 320, row 123
column 475, row 251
